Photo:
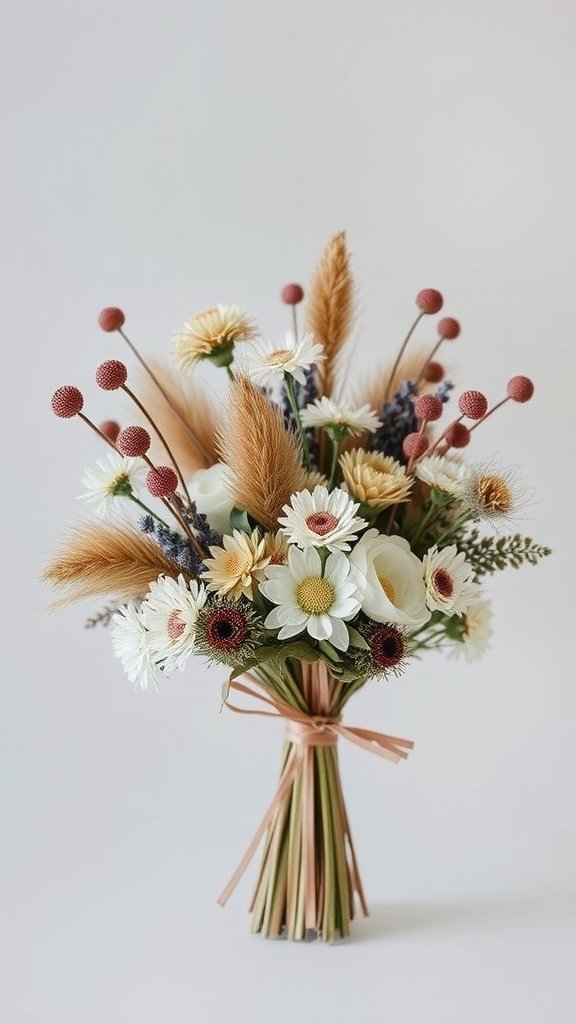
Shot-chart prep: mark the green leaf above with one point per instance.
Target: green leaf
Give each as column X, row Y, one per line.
column 239, row 520
column 330, row 651
column 357, row 640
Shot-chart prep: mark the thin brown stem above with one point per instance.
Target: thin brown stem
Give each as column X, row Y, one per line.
column 97, row 431
column 428, row 360
column 401, row 353
column 295, row 322
column 166, row 396
column 161, row 437
column 490, row 411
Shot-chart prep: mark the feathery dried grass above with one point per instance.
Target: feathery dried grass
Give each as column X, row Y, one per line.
column 98, row 560
column 330, row 309
column 189, row 425
column 373, row 389
column 261, row 454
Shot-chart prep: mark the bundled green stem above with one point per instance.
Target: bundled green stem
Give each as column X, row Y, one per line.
column 308, row 873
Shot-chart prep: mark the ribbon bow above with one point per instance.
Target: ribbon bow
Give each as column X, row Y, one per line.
column 305, row 732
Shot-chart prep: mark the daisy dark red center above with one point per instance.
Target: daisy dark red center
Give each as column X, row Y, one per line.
column 174, row 626
column 443, row 584
column 226, row 629
column 322, row 523
column 387, row 646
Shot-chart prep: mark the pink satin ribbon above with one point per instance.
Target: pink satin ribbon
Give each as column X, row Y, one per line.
column 306, row 732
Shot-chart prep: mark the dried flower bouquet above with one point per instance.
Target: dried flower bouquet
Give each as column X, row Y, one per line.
column 308, row 541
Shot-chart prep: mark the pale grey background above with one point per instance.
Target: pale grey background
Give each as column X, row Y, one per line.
column 168, row 156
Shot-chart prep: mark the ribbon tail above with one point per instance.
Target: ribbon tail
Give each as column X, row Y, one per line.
column 283, row 787
column 308, row 840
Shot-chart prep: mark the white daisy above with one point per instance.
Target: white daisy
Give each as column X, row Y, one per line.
column 311, row 598
column 211, row 334
column 324, row 412
column 443, row 474
column 264, row 361
column 321, row 518
column 131, row 647
column 448, row 579
column 169, row 614
column 477, row 631
column 113, row 482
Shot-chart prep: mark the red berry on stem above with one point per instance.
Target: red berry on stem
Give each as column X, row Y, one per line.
column 111, row 319
column 434, row 373
column 520, row 389
column 110, row 429
column 162, row 481
column 414, row 445
column 428, row 407
column 448, row 328
column 292, row 294
column 473, row 404
column 457, row 436
column 133, row 441
column 67, row 401
column 429, row 301
column 111, row 375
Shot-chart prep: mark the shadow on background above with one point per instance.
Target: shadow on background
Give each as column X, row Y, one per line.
column 398, row 918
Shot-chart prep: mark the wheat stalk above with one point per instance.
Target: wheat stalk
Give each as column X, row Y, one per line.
column 262, row 456
column 330, row 309
column 97, row 560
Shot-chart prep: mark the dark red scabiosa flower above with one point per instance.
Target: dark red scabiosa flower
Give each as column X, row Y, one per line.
column 386, row 652
column 227, row 631
column 387, row 646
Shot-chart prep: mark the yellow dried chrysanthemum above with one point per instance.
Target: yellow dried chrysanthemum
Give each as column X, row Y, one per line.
column 375, row 480
column 212, row 335
column 234, row 568
column 276, row 548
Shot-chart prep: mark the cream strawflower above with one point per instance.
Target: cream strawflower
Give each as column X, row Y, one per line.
column 212, row 333
column 235, row 567
column 169, row 614
column 394, row 589
column 266, row 361
column 477, row 631
column 322, row 519
column 311, row 598
column 209, row 490
column 375, row 480
column 276, row 548
column 443, row 474
column 112, row 483
column 131, row 647
column 324, row 412
column 448, row 578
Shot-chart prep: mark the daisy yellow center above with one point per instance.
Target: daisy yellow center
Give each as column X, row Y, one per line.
column 237, row 563
column 321, row 523
column 280, row 357
column 388, row 588
column 494, row 495
column 315, row 595
column 120, row 485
